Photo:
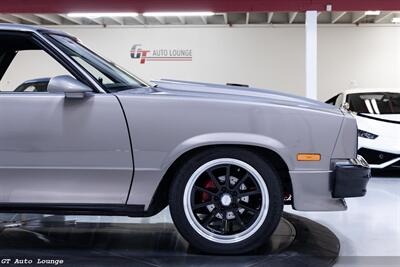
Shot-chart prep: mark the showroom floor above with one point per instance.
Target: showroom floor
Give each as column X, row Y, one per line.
column 369, row 231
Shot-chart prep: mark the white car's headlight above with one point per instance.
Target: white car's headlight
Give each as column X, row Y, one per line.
column 365, row 134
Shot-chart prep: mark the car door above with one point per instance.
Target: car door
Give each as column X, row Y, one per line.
column 55, row 149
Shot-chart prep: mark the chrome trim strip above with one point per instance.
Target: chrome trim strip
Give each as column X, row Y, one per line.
column 65, row 168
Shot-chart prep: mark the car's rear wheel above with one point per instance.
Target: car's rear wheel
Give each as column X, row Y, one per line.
column 226, row 201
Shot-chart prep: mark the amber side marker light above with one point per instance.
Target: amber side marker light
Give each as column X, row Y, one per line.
column 308, row 157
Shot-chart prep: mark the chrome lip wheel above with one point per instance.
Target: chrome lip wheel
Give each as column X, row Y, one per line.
column 226, row 200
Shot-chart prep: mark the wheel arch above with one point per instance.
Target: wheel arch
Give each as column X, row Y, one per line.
column 160, row 197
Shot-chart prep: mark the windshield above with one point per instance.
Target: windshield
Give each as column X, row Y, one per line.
column 110, row 76
column 375, row 103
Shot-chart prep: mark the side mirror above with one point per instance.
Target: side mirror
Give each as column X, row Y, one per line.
column 68, row 86
column 346, row 106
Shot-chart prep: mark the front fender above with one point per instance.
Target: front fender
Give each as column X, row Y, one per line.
column 227, row 138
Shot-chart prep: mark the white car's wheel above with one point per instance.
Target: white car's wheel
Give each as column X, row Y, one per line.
column 226, row 200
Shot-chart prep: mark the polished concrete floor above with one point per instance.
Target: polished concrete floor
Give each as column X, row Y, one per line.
column 297, row 241
column 369, row 231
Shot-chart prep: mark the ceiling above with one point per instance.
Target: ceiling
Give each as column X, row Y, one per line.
column 66, row 6
column 385, row 17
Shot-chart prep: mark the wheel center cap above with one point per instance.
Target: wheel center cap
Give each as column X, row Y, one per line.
column 226, row 199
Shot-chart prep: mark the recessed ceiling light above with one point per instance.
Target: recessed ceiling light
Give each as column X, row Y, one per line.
column 178, row 14
column 372, row 13
column 99, row 15
column 396, row 20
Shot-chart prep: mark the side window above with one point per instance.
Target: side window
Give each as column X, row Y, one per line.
column 30, row 71
column 101, row 77
column 332, row 101
column 339, row 101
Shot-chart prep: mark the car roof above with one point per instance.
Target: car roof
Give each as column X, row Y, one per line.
column 371, row 90
column 29, row 28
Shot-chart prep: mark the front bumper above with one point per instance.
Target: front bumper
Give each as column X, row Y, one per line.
column 351, row 178
column 326, row 190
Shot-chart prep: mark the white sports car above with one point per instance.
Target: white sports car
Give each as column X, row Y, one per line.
column 378, row 117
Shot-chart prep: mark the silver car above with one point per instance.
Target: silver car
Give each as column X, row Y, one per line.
column 225, row 159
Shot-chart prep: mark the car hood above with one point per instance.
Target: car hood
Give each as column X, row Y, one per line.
column 387, row 127
column 216, row 91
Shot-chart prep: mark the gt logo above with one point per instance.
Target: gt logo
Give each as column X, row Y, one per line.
column 139, row 53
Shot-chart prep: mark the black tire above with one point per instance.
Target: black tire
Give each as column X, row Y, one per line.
column 268, row 225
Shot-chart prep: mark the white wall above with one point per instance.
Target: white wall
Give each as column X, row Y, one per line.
column 363, row 56
column 268, row 57
column 256, row 56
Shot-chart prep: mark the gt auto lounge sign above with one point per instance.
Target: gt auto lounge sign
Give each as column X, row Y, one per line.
column 145, row 55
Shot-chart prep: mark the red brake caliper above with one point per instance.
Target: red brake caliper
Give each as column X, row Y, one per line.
column 207, row 185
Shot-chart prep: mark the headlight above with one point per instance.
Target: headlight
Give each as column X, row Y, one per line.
column 367, row 135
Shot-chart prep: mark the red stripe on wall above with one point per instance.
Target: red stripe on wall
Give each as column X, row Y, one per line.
column 65, row 6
